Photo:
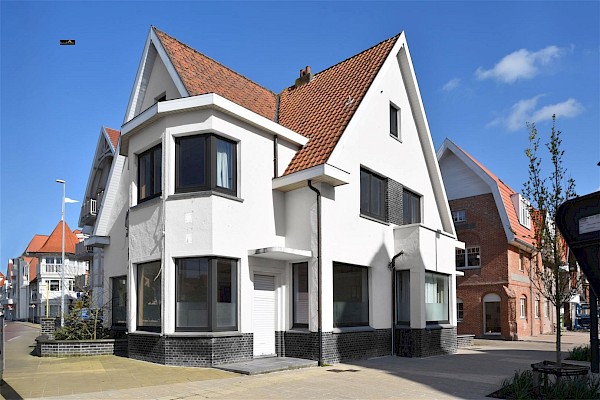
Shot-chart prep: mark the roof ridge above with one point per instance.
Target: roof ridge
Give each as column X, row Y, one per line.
column 395, row 37
column 211, row 59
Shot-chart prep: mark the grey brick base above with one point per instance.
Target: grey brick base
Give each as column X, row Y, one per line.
column 337, row 347
column 191, row 351
column 425, row 342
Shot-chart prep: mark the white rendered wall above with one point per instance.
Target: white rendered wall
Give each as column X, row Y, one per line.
column 460, row 181
column 158, row 83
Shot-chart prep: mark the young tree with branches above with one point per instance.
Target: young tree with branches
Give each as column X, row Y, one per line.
column 547, row 188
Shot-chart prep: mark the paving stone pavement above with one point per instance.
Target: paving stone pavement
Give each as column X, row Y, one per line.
column 470, row 374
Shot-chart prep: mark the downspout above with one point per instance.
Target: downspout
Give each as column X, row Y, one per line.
column 275, row 156
column 532, row 315
column 319, row 265
column 392, row 268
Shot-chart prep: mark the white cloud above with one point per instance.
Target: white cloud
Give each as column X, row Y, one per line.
column 521, row 64
column 527, row 111
column 451, row 85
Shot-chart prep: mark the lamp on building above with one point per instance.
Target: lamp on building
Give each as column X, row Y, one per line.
column 62, row 267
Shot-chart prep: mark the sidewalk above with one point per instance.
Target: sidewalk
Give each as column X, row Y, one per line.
column 470, row 374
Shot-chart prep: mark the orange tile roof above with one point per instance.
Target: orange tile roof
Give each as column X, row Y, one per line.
column 114, row 136
column 520, row 232
column 36, row 243
column 201, row 74
column 54, row 242
column 322, row 108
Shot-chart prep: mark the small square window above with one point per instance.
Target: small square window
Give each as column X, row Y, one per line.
column 394, row 121
column 459, row 216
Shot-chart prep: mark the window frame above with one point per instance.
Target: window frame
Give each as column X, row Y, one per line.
column 537, row 308
column 210, row 167
column 114, row 299
column 152, row 157
column 447, row 298
column 523, row 307
column 212, row 293
column 459, row 216
column 294, row 288
column 383, row 216
column 400, row 276
column 139, row 324
column 460, row 310
column 363, row 296
column 395, row 113
column 465, row 253
column 408, row 194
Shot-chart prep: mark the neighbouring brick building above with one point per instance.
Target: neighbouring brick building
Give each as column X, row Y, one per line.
column 495, row 297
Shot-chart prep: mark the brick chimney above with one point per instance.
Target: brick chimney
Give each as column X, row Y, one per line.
column 305, row 77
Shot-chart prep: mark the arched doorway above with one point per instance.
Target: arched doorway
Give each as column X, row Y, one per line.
column 491, row 314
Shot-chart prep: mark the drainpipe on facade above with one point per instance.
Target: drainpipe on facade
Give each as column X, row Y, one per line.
column 531, row 299
column 319, row 300
column 392, row 268
column 275, row 157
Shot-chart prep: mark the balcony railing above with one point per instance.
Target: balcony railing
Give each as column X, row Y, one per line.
column 82, row 251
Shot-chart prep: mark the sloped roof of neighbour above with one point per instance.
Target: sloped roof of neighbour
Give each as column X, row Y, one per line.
column 33, row 262
column 54, row 242
column 114, row 135
column 36, row 243
column 201, row 74
column 319, row 110
column 506, row 192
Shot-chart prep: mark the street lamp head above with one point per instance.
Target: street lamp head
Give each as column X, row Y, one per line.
column 60, row 181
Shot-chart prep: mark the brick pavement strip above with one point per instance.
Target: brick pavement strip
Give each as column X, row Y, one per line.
column 471, row 373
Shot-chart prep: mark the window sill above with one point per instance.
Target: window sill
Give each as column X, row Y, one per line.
column 204, row 193
column 299, row 330
column 205, row 334
column 146, row 203
column 374, row 219
column 439, row 326
column 396, row 138
column 468, row 268
column 147, row 333
column 347, row 329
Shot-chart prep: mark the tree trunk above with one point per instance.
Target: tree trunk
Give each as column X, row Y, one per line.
column 558, row 327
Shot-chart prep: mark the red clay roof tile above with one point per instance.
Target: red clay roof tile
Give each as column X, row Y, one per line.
column 36, row 243
column 54, row 242
column 201, row 74
column 322, row 108
column 114, row 135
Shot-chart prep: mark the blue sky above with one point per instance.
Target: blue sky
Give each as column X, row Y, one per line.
column 484, row 69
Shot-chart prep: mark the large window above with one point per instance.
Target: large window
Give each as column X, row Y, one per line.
column 394, row 121
column 411, row 207
column 436, row 298
column 350, row 295
column 54, row 285
column 119, row 301
column 205, row 162
column 150, row 173
column 149, row 296
column 300, row 286
column 372, row 195
column 470, row 257
column 205, row 294
column 523, row 307
column 403, row 297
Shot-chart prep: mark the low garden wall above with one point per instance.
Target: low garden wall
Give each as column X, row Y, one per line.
column 463, row 341
column 46, row 347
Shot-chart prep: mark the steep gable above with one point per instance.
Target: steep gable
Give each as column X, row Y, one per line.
column 36, row 243
column 201, row 74
column 54, row 242
column 322, row 108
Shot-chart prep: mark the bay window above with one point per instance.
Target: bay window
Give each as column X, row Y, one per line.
column 436, row 298
column 205, row 162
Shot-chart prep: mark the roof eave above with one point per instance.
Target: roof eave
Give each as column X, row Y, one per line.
column 324, row 173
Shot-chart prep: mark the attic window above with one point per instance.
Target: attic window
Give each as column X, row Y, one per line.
column 394, row 121
column 161, row 97
column 524, row 218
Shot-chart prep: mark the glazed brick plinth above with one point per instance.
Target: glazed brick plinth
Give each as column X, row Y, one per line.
column 68, row 348
column 425, row 342
column 337, row 346
column 191, row 351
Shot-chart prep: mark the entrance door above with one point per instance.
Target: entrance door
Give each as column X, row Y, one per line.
column 491, row 310
column 263, row 315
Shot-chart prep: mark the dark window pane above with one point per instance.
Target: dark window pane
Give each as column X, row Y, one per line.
column 364, row 191
column 403, row 296
column 226, row 293
column 149, row 296
column 393, row 121
column 376, row 200
column 119, row 300
column 411, row 204
column 149, row 173
column 300, row 294
column 191, row 154
column 157, row 173
column 350, row 295
column 192, row 293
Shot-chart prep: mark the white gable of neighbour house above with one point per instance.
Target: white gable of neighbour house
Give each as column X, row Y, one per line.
column 267, row 223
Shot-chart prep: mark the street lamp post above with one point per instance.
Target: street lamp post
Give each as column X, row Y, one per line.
column 62, row 267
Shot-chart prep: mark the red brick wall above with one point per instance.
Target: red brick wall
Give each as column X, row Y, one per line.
column 499, row 273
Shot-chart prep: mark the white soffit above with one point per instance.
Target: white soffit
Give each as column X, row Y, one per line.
column 320, row 173
column 281, row 253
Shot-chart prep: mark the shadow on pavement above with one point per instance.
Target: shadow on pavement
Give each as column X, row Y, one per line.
column 8, row 392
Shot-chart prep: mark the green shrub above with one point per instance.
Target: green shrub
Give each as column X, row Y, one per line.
column 83, row 322
column 521, row 386
column 580, row 353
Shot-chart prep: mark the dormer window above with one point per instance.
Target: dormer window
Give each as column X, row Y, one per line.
column 522, row 208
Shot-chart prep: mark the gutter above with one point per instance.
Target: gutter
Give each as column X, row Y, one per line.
column 319, row 266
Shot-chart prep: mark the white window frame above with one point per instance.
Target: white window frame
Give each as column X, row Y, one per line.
column 466, row 253
column 537, row 308
column 523, row 307
column 460, row 312
column 459, row 216
column 397, row 110
column 524, row 217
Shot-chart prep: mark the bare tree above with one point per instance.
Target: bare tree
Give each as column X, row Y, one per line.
column 547, row 188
